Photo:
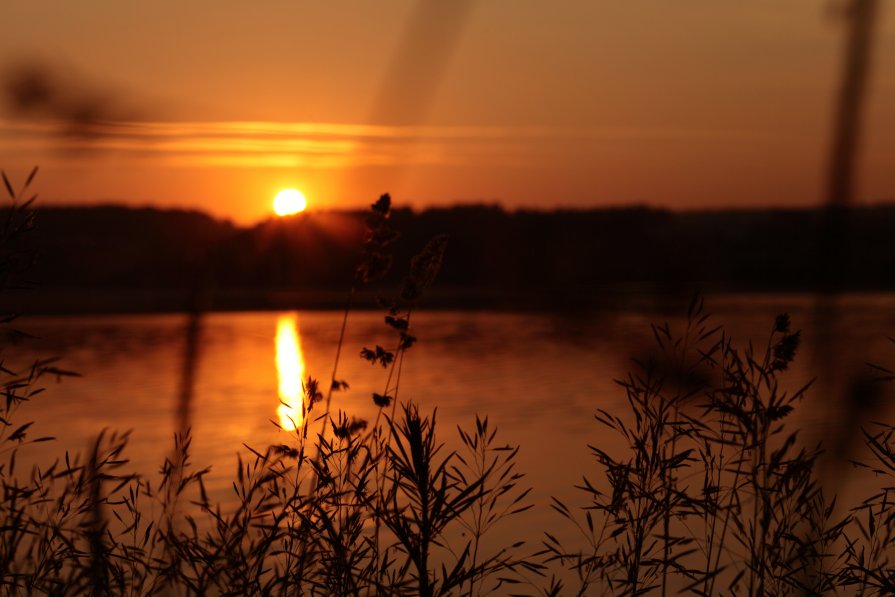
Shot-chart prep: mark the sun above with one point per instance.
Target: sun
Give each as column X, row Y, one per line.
column 289, row 202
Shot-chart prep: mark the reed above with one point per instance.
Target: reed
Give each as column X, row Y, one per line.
column 714, row 493
column 354, row 509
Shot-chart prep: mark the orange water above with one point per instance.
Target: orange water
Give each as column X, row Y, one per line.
column 538, row 377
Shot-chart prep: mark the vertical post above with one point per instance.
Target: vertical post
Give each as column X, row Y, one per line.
column 850, row 103
column 846, row 408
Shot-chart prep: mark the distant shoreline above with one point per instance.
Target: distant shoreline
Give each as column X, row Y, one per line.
column 76, row 302
column 119, row 260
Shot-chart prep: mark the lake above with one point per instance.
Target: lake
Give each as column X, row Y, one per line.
column 538, row 377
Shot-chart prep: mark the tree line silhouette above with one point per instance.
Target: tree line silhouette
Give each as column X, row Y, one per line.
column 496, row 258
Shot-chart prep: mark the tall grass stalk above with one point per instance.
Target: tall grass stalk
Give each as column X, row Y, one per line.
column 712, row 493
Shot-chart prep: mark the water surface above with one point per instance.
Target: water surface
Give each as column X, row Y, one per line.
column 538, row 377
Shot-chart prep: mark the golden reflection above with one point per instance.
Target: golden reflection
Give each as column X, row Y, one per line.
column 290, row 372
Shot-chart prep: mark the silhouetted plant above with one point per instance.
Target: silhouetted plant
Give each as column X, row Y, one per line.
column 501, row 497
column 869, row 567
column 712, row 493
column 712, row 490
column 366, row 514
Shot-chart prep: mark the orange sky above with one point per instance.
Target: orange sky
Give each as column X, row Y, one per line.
column 219, row 104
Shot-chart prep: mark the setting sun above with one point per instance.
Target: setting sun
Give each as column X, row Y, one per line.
column 289, row 202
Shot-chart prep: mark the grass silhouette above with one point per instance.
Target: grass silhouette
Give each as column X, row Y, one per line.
column 714, row 493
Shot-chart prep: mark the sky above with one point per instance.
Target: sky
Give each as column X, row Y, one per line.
column 217, row 104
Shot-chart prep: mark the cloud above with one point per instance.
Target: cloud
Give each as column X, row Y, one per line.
column 321, row 145
column 57, row 112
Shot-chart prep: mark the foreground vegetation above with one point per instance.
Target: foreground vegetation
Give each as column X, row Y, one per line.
column 714, row 495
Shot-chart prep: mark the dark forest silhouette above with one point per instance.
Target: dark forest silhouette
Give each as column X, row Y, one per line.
column 122, row 259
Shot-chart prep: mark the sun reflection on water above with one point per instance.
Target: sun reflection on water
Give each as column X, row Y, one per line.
column 290, row 372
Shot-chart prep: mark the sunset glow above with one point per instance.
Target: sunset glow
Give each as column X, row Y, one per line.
column 289, row 202
column 603, row 104
column 290, row 372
